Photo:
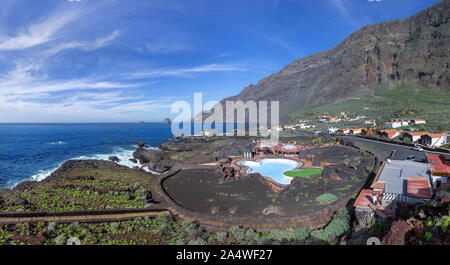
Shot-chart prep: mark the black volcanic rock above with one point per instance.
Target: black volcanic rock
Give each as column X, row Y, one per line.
column 414, row 49
column 114, row 159
column 154, row 159
column 141, row 145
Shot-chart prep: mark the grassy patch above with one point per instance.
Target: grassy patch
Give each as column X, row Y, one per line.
column 304, row 173
column 326, row 198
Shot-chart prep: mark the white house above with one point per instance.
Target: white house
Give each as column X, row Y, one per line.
column 418, row 121
column 433, row 140
column 303, row 126
column 413, row 136
column 370, row 122
column 332, row 130
column 278, row 129
column 393, row 124
column 405, row 123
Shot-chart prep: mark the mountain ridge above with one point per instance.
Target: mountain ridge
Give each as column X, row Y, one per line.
column 388, row 54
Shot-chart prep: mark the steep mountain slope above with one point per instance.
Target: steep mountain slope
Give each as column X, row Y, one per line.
column 412, row 51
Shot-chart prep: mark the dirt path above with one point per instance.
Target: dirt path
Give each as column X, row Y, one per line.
column 86, row 217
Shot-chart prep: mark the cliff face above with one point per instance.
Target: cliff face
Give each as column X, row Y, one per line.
column 415, row 49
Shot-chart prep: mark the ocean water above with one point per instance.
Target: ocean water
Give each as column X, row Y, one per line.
column 34, row 151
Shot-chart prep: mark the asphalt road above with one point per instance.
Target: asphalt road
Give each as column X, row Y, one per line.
column 400, row 152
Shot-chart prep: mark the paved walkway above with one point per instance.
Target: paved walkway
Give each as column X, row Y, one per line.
column 90, row 216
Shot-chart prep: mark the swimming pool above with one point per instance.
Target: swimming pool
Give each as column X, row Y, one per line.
column 272, row 168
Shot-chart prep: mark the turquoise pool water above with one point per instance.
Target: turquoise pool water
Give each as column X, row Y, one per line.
column 272, row 168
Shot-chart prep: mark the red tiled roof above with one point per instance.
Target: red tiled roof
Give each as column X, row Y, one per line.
column 391, row 133
column 379, row 185
column 365, row 198
column 436, row 135
column 417, row 133
column 438, row 164
column 419, row 187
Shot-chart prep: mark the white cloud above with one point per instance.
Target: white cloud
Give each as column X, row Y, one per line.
column 87, row 46
column 166, row 47
column 37, row 34
column 184, row 71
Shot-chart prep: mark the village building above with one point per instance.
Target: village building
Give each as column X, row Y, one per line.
column 404, row 181
column 356, row 131
column 405, row 122
column 324, row 118
column 393, row 124
column 278, row 129
column 412, row 136
column 369, row 131
column 433, row 140
column 343, row 130
column 389, row 134
column 289, row 126
column 417, row 121
column 370, row 122
column 332, row 130
column 289, row 149
column 303, row 126
column 439, row 170
column 334, row 119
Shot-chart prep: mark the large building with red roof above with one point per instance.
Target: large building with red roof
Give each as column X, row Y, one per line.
column 439, row 170
column 397, row 181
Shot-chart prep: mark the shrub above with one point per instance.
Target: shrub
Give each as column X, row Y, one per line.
column 319, row 234
column 336, row 227
column 281, row 235
column 301, row 233
column 162, row 219
column 61, row 240
column 197, row 241
column 115, row 227
column 445, row 222
column 220, row 236
column 215, row 209
column 326, row 198
column 141, row 194
column 191, row 228
column 238, row 233
column 428, row 236
column 51, row 227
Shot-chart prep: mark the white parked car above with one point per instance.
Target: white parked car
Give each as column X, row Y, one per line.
column 417, row 148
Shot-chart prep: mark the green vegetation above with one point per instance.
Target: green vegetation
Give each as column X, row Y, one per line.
column 431, row 104
column 304, row 173
column 326, row 198
column 347, row 187
column 84, row 189
column 162, row 229
column 339, row 225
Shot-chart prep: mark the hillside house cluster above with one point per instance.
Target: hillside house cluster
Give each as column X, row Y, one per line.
column 401, row 123
column 423, row 138
column 342, row 117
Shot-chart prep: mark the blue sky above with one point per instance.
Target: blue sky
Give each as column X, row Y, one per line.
column 112, row 61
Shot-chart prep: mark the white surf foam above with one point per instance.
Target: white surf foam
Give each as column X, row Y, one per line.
column 58, row 142
column 122, row 154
